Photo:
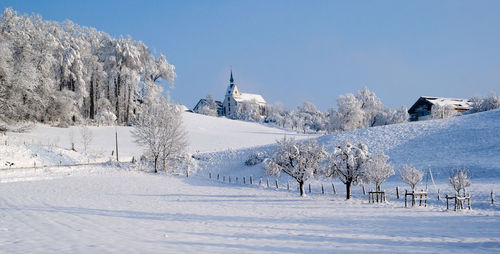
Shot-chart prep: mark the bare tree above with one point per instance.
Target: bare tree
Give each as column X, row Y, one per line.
column 86, row 136
column 460, row 180
column 411, row 176
column 159, row 129
column 378, row 169
column 298, row 160
column 347, row 162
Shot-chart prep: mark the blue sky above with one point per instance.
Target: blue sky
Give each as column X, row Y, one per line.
column 296, row 51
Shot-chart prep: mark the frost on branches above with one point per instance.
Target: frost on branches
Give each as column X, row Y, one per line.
column 347, row 163
column 377, row 170
column 62, row 73
column 159, row 129
column 460, row 180
column 298, row 160
column 411, row 176
column 442, row 111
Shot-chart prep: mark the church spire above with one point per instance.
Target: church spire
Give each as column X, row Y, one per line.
column 231, row 80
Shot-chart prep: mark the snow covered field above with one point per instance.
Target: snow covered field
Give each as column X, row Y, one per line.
column 110, row 211
column 45, row 145
column 117, row 209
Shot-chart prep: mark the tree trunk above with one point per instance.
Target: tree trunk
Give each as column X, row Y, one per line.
column 92, row 101
column 156, row 163
column 348, row 190
column 127, row 113
column 302, row 191
column 378, row 187
column 117, row 96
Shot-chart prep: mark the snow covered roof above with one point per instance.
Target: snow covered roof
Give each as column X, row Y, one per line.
column 250, row 97
column 463, row 104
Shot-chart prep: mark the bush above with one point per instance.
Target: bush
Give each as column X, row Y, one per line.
column 256, row 158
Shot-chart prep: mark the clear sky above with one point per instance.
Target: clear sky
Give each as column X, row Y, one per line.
column 296, row 51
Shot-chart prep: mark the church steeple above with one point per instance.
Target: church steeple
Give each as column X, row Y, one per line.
column 231, row 80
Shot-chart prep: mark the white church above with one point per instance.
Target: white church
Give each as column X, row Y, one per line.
column 234, row 98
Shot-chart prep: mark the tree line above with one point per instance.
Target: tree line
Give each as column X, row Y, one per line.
column 61, row 73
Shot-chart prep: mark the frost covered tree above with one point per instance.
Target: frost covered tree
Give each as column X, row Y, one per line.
column 480, row 104
column 349, row 115
column 378, row 169
column 347, row 163
column 411, row 176
column 442, row 111
column 62, row 73
column 210, row 107
column 298, row 160
column 361, row 111
column 159, row 129
column 459, row 180
column 86, row 137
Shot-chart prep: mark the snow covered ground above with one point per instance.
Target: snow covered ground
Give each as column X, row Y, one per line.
column 45, row 145
column 104, row 210
column 112, row 208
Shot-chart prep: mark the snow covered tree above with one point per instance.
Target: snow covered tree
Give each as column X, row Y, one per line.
column 378, row 169
column 347, row 163
column 298, row 160
column 86, row 137
column 459, row 180
column 159, row 129
column 349, row 115
column 480, row 104
column 442, row 111
column 210, row 107
column 63, row 73
column 411, row 176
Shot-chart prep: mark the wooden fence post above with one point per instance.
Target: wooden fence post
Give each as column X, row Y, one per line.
column 267, row 182
column 322, row 189
column 397, row 192
column 406, row 192
column 334, row 190
column 236, row 179
column 251, row 180
column 277, row 185
column 260, row 181
column 492, row 197
column 287, row 185
column 209, row 175
column 217, row 177
column 364, row 193
column 309, row 187
column 229, row 179
column 438, row 196
column 244, row 180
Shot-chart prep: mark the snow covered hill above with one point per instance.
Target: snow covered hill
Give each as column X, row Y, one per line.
column 470, row 141
column 45, row 145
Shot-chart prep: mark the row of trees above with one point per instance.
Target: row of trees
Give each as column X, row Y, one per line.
column 362, row 110
column 63, row 73
column 351, row 164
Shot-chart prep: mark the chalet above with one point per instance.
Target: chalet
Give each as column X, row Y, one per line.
column 233, row 98
column 422, row 109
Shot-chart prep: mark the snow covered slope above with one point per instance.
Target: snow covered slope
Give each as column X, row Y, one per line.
column 45, row 145
column 471, row 141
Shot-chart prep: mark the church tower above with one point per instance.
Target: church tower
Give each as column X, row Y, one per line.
column 229, row 104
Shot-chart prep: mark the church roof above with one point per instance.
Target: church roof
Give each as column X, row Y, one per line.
column 250, row 97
